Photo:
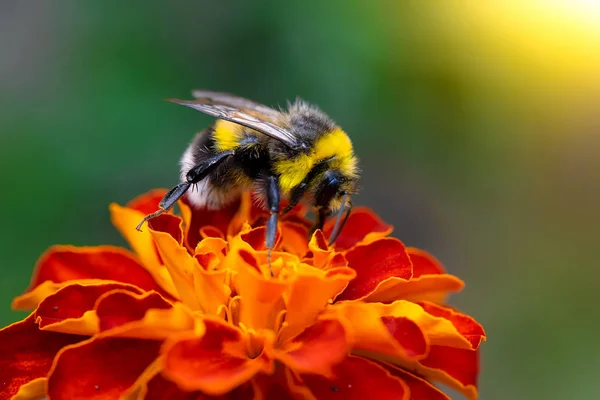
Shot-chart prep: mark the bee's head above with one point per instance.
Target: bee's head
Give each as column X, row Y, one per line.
column 333, row 189
column 332, row 197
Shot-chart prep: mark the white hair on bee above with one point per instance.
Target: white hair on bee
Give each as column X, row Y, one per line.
column 203, row 194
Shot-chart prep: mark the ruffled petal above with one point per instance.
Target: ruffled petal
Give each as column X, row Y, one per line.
column 357, row 379
column 420, row 389
column 31, row 299
column 261, row 299
column 310, row 291
column 27, row 354
column 68, row 263
column 424, row 263
column 199, row 289
column 195, row 219
column 158, row 388
column 363, row 226
column 465, row 325
column 320, row 251
column 317, row 349
column 120, row 307
column 428, row 283
column 100, row 368
column 382, row 330
column 457, row 368
column 125, row 219
column 214, row 363
column 70, row 310
column 32, row 390
column 374, row 263
column 449, row 356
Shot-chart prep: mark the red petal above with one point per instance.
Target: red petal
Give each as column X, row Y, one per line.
column 147, row 203
column 316, row 349
column 460, row 365
column 361, row 223
column 424, row 263
column 66, row 263
column 420, row 389
column 118, row 308
column 374, row 263
column 215, row 363
column 357, row 378
column 170, row 224
column 197, row 218
column 161, row 389
column 100, row 368
column 467, row 326
column 407, row 333
column 72, row 301
column 27, row 353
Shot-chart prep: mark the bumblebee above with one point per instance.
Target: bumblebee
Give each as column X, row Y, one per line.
column 291, row 155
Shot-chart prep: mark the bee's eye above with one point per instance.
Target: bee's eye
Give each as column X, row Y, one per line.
column 328, row 188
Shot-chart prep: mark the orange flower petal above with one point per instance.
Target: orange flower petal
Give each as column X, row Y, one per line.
column 69, row 310
column 32, row 390
column 198, row 289
column 386, row 331
column 260, row 298
column 420, row 389
column 467, row 326
column 450, row 357
column 321, row 253
column 294, row 238
column 120, row 307
column 362, row 226
column 215, row 363
column 210, row 252
column 125, row 219
column 433, row 288
column 310, row 291
column 67, row 263
column 100, row 368
column 317, row 349
column 374, row 263
column 27, row 353
column 359, row 379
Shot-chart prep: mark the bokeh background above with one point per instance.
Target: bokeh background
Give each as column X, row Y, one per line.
column 477, row 124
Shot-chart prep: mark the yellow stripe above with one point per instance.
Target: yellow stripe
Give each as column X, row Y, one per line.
column 334, row 144
column 227, row 135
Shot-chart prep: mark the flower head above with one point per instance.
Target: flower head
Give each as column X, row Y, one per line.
column 193, row 312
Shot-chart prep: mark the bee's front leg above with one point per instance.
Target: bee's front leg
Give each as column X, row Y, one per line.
column 273, row 200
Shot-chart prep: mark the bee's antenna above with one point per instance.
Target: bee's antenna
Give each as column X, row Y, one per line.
column 167, row 202
column 337, row 227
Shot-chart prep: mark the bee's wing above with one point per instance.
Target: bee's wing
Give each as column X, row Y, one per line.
column 241, row 111
column 236, row 101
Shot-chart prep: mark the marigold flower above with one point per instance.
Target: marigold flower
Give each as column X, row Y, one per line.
column 193, row 312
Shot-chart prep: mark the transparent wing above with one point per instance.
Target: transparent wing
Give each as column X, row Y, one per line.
column 237, row 101
column 243, row 112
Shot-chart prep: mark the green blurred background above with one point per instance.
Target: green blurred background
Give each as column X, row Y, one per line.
column 476, row 123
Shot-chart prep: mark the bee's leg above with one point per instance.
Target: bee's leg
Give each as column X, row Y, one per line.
column 322, row 214
column 273, row 200
column 167, row 202
column 295, row 197
column 337, row 227
column 194, row 175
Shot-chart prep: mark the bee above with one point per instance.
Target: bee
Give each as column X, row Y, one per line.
column 291, row 155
